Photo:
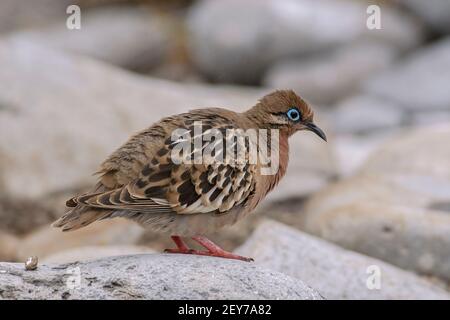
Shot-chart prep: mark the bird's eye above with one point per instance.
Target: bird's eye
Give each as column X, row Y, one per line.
column 293, row 114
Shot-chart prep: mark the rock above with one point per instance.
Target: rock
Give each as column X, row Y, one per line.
column 411, row 238
column 18, row 14
column 47, row 241
column 8, row 246
column 88, row 253
column 428, row 118
column 418, row 83
column 395, row 208
column 378, row 188
column 335, row 272
column 224, row 35
column 328, row 78
column 129, row 37
column 151, row 277
column 59, row 152
column 364, row 188
column 352, row 151
column 435, row 12
column 417, row 160
column 364, row 114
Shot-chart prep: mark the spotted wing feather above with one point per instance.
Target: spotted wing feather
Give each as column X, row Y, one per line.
column 217, row 184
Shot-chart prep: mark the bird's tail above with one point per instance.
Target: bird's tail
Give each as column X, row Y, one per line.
column 80, row 216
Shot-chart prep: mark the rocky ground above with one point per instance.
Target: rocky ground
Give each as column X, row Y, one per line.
column 374, row 200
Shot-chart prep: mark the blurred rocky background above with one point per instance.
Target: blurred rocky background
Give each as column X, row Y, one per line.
column 378, row 193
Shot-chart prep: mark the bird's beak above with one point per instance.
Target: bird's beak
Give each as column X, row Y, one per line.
column 312, row 127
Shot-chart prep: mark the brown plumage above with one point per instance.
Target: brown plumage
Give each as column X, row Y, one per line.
column 144, row 180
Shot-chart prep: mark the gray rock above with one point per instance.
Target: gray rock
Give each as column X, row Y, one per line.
column 419, row 82
column 365, row 114
column 237, row 40
column 417, row 160
column 67, row 113
column 328, row 78
column 335, row 272
column 129, row 37
column 352, row 151
column 151, row 277
column 18, row 14
column 428, row 118
column 411, row 238
column 395, row 208
column 434, row 12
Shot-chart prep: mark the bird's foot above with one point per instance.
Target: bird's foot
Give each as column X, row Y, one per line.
column 213, row 250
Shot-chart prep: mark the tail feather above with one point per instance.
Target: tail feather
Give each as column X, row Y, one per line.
column 79, row 217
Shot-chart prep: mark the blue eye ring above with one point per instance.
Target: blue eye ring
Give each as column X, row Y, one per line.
column 293, row 114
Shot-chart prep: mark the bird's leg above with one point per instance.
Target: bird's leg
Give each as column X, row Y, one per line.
column 181, row 246
column 215, row 251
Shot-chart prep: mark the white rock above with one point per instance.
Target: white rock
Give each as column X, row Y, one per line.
column 158, row 277
column 385, row 210
column 364, row 114
column 335, row 272
column 17, row 14
column 129, row 37
column 237, row 40
column 419, row 82
column 328, row 78
column 352, row 151
column 411, row 238
column 417, row 159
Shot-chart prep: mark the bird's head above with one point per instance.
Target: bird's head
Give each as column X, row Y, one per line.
column 286, row 111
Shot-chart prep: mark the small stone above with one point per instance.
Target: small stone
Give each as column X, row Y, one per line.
column 31, row 263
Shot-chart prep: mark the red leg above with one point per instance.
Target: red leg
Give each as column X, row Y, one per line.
column 181, row 246
column 213, row 250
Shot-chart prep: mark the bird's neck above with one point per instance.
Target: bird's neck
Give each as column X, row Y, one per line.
column 283, row 154
column 266, row 183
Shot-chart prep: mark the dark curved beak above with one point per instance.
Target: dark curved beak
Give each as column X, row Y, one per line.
column 312, row 127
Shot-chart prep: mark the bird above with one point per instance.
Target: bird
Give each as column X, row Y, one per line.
column 189, row 196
